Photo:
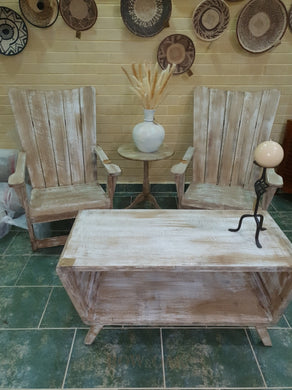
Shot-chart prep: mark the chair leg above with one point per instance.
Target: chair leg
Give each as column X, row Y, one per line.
column 180, row 183
column 92, row 333
column 264, row 336
column 22, row 196
column 111, row 186
column 31, row 233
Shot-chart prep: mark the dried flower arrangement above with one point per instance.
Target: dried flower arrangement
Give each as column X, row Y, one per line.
column 149, row 86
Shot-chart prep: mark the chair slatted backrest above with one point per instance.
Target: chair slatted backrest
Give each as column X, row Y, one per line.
column 57, row 130
column 228, row 125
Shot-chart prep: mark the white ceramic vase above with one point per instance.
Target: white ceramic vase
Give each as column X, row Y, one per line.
column 148, row 136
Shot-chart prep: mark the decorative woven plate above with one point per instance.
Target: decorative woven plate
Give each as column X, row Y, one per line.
column 290, row 19
column 176, row 49
column 40, row 13
column 13, row 32
column 210, row 19
column 261, row 25
column 80, row 15
column 146, row 18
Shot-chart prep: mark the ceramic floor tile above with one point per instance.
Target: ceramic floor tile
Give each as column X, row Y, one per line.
column 289, row 234
column 10, row 268
column 55, row 250
column 166, row 202
column 275, row 361
column 21, row 245
column 60, row 312
column 22, row 307
column 209, row 358
column 34, row 358
column 121, row 202
column 129, row 188
column 282, row 323
column 117, row 358
column 170, row 189
column 40, row 271
column 288, row 314
column 6, row 241
column 282, row 202
column 283, row 219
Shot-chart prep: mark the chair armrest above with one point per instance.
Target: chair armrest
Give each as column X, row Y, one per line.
column 273, row 179
column 112, row 169
column 18, row 177
column 180, row 168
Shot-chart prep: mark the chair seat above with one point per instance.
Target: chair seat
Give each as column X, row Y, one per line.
column 212, row 196
column 66, row 200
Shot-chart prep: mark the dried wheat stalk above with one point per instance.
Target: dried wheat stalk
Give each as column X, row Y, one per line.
column 148, row 85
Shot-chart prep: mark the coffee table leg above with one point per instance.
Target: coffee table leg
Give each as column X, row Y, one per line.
column 92, row 333
column 264, row 335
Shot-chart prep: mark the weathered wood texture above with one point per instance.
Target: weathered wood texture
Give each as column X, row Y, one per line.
column 57, row 130
column 55, row 59
column 228, row 125
column 175, row 268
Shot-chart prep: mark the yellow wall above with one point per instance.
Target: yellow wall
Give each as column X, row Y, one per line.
column 55, row 58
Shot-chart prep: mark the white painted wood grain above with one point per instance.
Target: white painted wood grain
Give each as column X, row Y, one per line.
column 168, row 239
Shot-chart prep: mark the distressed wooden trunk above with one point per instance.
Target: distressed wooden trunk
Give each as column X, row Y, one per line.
column 169, row 267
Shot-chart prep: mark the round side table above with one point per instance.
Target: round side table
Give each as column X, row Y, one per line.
column 130, row 152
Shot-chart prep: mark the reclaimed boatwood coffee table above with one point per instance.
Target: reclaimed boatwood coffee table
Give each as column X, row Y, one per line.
column 175, row 267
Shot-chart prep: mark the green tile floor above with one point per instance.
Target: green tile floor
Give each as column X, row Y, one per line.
column 41, row 335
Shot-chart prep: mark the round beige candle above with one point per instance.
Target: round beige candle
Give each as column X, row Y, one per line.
column 269, row 154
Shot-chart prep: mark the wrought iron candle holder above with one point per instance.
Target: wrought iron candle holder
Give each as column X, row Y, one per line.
column 268, row 154
column 260, row 187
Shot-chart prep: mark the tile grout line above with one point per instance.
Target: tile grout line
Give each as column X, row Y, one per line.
column 162, row 359
column 288, row 323
column 69, row 359
column 45, row 308
column 20, row 274
column 10, row 244
column 256, row 359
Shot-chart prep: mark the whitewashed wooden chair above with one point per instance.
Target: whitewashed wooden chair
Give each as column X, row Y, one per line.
column 57, row 131
column 227, row 127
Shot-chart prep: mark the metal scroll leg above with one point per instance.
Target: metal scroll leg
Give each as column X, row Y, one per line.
column 240, row 222
column 92, row 333
column 260, row 188
column 264, row 335
column 259, row 228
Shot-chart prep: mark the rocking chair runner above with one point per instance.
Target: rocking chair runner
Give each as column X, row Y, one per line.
column 57, row 131
column 228, row 125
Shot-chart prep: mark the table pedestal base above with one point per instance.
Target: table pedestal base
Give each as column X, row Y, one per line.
column 145, row 195
column 130, row 151
column 142, row 198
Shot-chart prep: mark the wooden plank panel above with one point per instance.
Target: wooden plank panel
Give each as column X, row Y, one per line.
column 232, row 123
column 217, row 107
column 200, row 129
column 169, row 298
column 74, row 136
column 198, row 239
column 42, row 134
column 248, row 121
column 88, row 120
column 266, row 115
column 59, row 137
column 25, row 127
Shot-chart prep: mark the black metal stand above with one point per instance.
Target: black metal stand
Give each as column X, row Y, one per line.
column 260, row 187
